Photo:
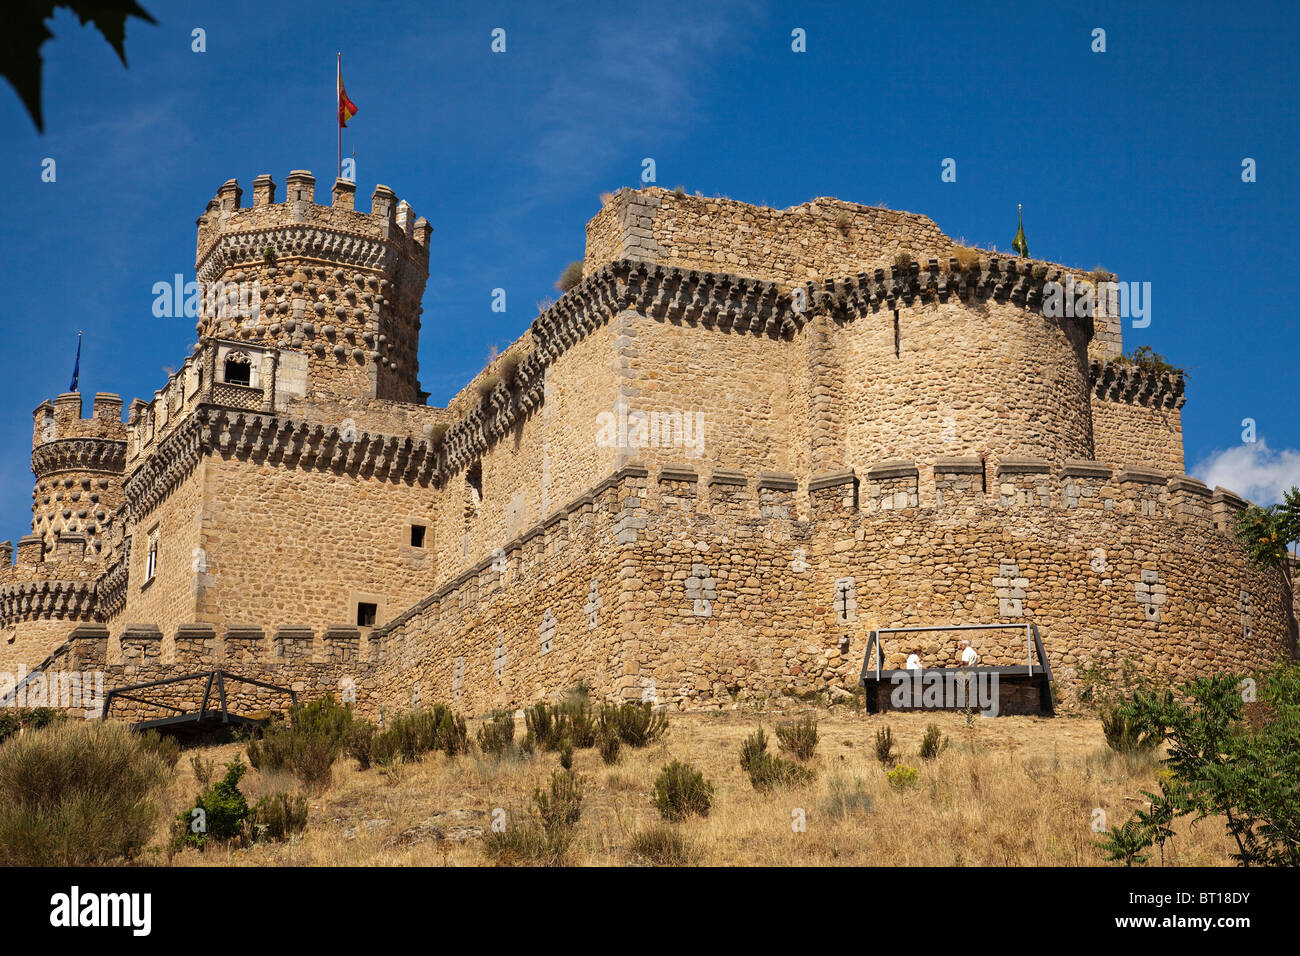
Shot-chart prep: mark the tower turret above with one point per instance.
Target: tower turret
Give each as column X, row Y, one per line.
column 78, row 464
column 340, row 286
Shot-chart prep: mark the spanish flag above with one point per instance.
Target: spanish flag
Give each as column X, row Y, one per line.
column 347, row 109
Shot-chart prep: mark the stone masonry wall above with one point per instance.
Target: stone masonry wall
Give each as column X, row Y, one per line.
column 723, row 592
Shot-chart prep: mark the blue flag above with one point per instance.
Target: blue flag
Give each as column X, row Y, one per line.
column 76, row 367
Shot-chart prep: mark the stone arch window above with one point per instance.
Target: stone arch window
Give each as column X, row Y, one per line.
column 238, row 369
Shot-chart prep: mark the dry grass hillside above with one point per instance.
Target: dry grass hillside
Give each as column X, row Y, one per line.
column 1012, row 791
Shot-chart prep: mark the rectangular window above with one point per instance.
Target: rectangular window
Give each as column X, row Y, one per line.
column 366, row 614
column 417, row 536
column 151, row 560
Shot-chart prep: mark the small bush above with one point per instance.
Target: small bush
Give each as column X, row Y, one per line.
column 610, row 745
column 486, row 386
column 843, row 220
column 412, row 735
column 903, row 263
column 278, row 817
column 76, row 793
column 798, row 738
column 358, row 741
column 436, row 432
column 497, row 735
column 203, row 770
column 902, row 777
column 545, row 836
column 219, row 814
column 661, row 845
column 508, row 365
column 566, row 755
column 635, row 724
column 767, row 772
column 682, row 791
column 560, row 807
column 307, row 744
column 1125, row 733
column 545, row 725
column 846, row 798
column 933, row 743
column 164, row 745
column 570, row 277
column 579, row 718
column 523, row 844
column 968, row 259
column 885, row 746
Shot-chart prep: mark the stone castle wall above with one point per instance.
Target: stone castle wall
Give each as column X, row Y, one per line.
column 724, row 592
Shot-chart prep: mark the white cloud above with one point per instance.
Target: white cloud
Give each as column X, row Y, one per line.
column 1252, row 470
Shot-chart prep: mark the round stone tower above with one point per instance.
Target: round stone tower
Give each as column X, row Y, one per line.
column 78, row 463
column 340, row 286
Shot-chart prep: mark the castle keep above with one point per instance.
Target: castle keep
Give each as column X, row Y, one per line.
column 744, row 440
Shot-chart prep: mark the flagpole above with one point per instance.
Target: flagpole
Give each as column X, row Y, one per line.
column 338, row 105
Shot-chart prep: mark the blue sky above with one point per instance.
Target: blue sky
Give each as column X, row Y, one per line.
column 1128, row 159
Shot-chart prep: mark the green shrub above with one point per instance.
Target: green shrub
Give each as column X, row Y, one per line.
column 497, row 735
column 661, row 845
column 306, row 744
column 219, row 814
column 578, row 717
column 610, row 745
column 885, row 746
column 357, row 742
column 682, row 791
column 77, row 792
column 634, row 723
column 933, row 743
column 1126, row 732
column 903, row 264
column 546, row 835
column 412, row 735
column 164, row 745
column 902, row 777
column 846, row 798
column 1226, row 760
column 566, row 755
column 545, row 726
column 278, row 817
column 798, row 738
column 766, row 771
column 561, row 806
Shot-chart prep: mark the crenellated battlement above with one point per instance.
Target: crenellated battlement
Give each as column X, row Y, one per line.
column 230, row 233
column 1138, row 384
column 60, row 419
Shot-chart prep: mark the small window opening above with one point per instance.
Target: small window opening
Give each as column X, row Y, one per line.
column 897, row 336
column 239, row 371
column 474, row 477
column 151, row 561
column 366, row 614
column 417, row 536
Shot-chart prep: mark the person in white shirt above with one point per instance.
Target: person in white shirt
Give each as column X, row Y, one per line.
column 968, row 656
column 913, row 661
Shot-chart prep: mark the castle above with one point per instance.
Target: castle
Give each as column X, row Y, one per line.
column 745, row 439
